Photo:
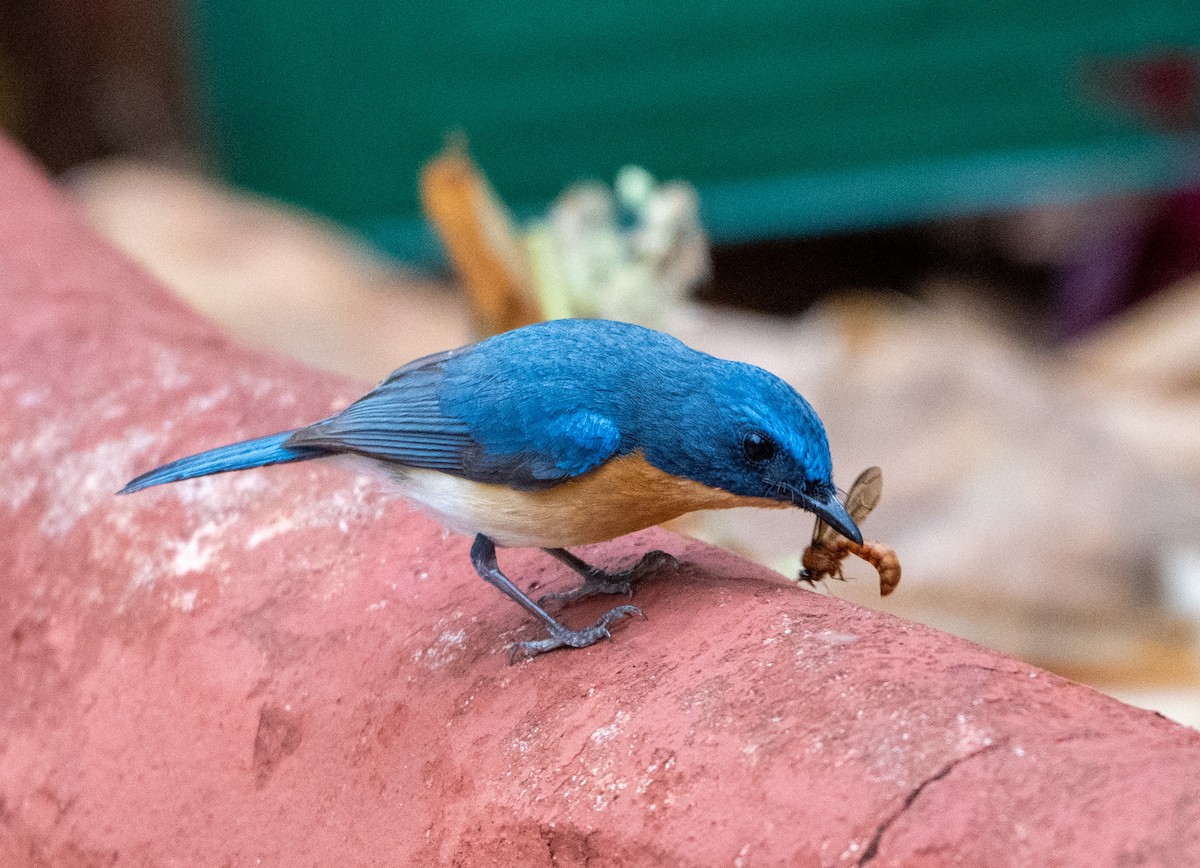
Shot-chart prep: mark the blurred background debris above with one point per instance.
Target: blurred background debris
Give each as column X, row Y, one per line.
column 479, row 237
column 969, row 233
column 274, row 276
column 630, row 253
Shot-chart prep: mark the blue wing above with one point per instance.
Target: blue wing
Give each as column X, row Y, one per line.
column 400, row 420
column 470, row 420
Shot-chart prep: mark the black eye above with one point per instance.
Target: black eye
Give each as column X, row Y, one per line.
column 758, row 447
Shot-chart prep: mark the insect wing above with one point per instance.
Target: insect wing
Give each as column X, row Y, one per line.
column 863, row 497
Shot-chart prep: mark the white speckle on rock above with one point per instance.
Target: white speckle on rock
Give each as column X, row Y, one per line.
column 18, row 491
column 21, row 464
column 194, row 554
column 185, row 601
column 144, row 576
column 740, row 860
column 611, row 730
column 32, row 397
column 204, row 403
column 340, row 508
column 258, row 386
column 279, row 526
column 80, row 481
column 970, row 736
column 167, row 372
column 213, row 492
column 444, row 650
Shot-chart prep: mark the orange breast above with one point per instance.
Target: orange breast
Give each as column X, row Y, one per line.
column 623, row 495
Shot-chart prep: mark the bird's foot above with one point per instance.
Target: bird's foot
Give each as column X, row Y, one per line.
column 564, row 637
column 597, row 581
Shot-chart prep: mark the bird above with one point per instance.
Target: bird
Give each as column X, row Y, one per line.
column 561, row 434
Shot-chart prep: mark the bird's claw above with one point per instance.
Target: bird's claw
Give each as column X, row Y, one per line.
column 564, row 637
column 622, row 582
column 589, row 588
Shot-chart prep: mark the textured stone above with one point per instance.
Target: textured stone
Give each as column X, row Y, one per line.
column 285, row 667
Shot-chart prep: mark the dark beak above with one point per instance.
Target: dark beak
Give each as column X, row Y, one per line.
column 831, row 511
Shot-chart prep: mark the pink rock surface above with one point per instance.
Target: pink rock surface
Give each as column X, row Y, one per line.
column 284, row 667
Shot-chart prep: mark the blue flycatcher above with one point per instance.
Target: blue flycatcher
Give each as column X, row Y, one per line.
column 562, row 434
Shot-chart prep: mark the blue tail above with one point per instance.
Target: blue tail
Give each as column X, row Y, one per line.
column 236, row 456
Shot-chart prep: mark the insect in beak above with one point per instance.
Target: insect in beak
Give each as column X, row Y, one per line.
column 831, row 544
column 831, row 511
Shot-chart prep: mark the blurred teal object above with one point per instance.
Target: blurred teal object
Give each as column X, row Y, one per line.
column 790, row 116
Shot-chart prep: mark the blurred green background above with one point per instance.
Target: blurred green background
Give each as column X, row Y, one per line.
column 790, row 117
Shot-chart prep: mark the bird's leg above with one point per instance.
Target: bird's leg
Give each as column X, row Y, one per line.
column 597, row 581
column 483, row 558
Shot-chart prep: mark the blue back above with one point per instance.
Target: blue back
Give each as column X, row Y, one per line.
column 533, row 407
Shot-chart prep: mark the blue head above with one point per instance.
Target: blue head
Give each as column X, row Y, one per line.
column 742, row 429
